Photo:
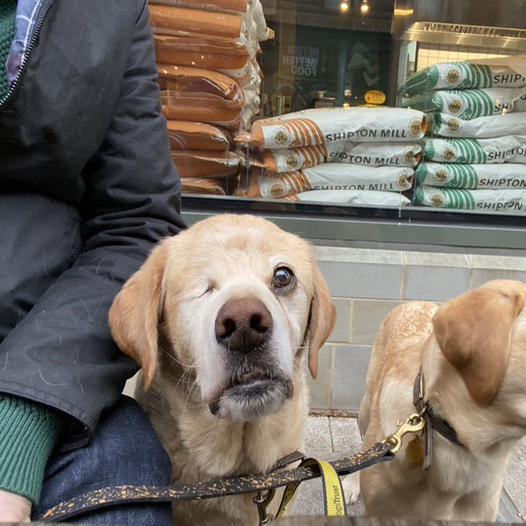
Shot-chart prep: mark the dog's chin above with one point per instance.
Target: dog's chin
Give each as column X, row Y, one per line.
column 253, row 399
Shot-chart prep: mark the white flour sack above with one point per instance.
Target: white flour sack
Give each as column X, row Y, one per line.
column 462, row 75
column 505, row 201
column 468, row 176
column 352, row 197
column 324, row 126
column 364, row 153
column 507, row 149
column 479, row 128
column 520, row 105
column 337, row 177
column 469, row 103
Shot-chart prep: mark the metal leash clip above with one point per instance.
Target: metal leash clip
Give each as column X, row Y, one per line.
column 414, row 424
column 262, row 500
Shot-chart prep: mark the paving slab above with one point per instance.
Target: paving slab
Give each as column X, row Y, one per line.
column 345, row 435
column 515, row 479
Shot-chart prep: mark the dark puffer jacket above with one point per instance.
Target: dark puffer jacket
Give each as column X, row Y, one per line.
column 87, row 187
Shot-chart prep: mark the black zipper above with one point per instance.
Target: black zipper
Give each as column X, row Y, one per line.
column 34, row 37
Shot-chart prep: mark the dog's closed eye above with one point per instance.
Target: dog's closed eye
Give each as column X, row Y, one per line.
column 210, row 287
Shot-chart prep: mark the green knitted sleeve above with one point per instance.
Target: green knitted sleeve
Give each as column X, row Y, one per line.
column 28, row 433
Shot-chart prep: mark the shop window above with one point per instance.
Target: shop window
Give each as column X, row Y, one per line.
column 348, row 103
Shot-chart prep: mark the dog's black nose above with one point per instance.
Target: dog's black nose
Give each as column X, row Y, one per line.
column 243, row 324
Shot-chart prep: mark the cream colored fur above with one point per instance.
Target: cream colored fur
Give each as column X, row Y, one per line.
column 164, row 318
column 473, row 355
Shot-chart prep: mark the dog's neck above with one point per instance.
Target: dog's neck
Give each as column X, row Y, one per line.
column 480, row 429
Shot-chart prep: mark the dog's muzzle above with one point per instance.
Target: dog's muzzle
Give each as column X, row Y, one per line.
column 256, row 386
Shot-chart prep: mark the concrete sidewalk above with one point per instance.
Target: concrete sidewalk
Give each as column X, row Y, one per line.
column 331, row 438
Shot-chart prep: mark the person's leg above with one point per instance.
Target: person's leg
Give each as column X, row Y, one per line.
column 123, row 450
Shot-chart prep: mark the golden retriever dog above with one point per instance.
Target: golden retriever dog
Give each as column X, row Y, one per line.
column 472, row 354
column 219, row 318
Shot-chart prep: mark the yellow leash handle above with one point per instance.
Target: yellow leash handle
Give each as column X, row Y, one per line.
column 332, row 491
column 333, row 498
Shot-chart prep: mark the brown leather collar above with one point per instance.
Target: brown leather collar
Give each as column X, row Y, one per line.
column 432, row 421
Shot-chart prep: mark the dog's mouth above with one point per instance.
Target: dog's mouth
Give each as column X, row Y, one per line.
column 251, row 394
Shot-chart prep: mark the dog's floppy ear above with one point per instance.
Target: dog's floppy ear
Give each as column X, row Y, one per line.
column 474, row 333
column 134, row 314
column 321, row 320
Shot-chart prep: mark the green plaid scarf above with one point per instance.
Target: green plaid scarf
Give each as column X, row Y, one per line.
column 7, row 32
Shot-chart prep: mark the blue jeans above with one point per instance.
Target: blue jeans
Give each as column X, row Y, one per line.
column 123, row 450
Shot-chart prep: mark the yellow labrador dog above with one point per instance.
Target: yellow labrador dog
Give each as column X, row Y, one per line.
column 219, row 317
column 472, row 354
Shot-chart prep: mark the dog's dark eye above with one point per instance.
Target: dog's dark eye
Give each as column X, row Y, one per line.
column 283, row 277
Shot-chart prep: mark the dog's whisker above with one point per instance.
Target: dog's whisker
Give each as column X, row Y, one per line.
column 189, row 392
column 187, row 375
column 173, row 358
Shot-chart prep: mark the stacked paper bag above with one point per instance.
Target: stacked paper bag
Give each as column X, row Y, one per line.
column 338, row 155
column 476, row 115
column 210, row 79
